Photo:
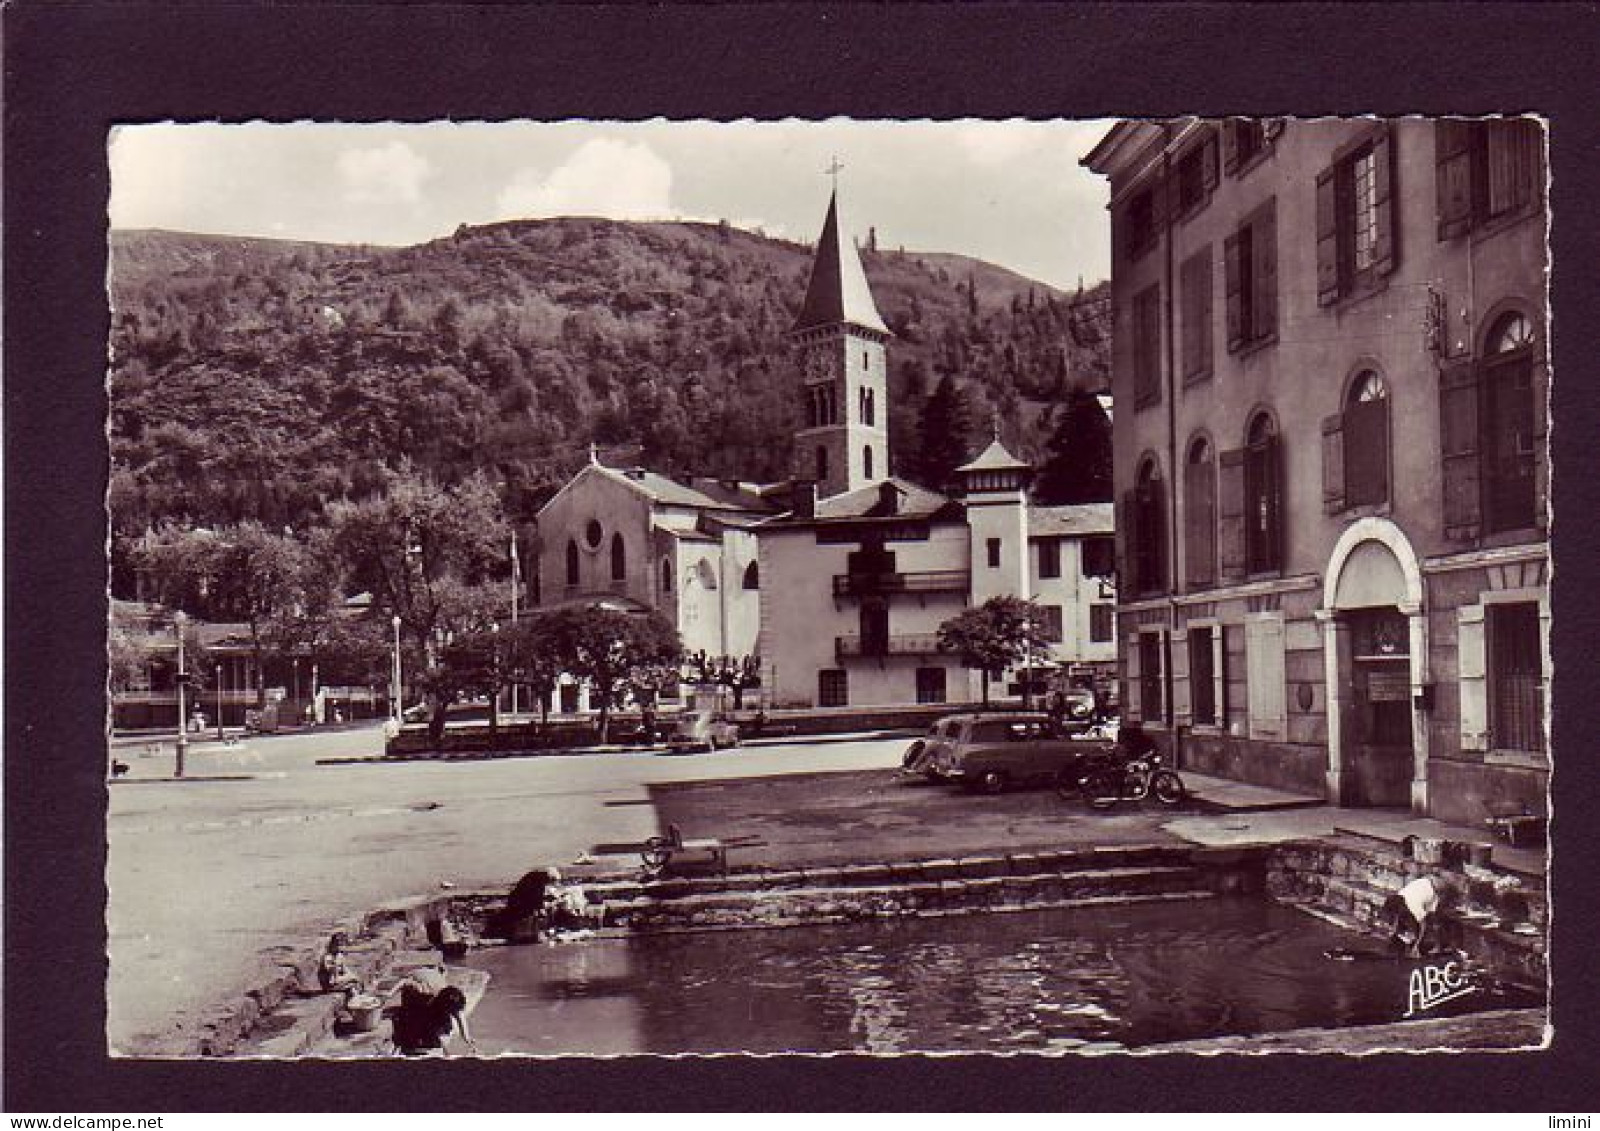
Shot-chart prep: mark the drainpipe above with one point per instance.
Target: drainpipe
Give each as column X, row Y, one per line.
column 1169, row 309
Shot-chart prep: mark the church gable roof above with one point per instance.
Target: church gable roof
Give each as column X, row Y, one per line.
column 838, row 291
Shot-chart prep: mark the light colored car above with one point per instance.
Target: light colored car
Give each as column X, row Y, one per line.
column 703, row 730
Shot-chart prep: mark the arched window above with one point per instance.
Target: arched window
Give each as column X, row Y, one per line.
column 1512, row 425
column 666, row 575
column 619, row 558
column 592, row 534
column 752, row 576
column 1263, row 497
column 1200, row 517
column 572, row 562
column 822, row 463
column 866, row 461
column 1146, row 535
column 1366, row 441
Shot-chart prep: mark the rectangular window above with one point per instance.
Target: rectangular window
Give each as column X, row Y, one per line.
column 1147, row 347
column 1202, row 676
column 930, row 685
column 1516, row 677
column 1152, row 703
column 833, row 687
column 1486, row 172
column 993, row 549
column 1196, row 328
column 1140, row 219
column 1100, row 622
column 1250, row 260
column 1100, row 557
column 1049, row 557
column 1245, row 140
column 1196, row 173
column 1234, row 671
column 1051, row 628
column 1356, row 218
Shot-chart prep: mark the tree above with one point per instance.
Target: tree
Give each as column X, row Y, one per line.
column 1078, row 467
column 425, row 552
column 736, row 673
column 996, row 635
column 612, row 649
column 947, row 427
column 533, row 658
column 242, row 573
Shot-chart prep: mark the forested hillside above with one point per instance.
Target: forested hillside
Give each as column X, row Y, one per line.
column 256, row 379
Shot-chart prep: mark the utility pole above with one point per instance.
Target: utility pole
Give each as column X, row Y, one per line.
column 179, row 620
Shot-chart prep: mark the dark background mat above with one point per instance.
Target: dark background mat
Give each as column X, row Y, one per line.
column 73, row 70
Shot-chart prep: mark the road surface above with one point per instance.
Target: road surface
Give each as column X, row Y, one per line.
column 206, row 876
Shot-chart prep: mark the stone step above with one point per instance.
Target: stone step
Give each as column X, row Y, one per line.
column 773, row 906
column 899, row 872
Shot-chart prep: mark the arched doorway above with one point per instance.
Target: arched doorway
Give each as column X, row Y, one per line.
column 1376, row 662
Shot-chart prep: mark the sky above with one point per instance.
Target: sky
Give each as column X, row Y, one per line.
column 1009, row 192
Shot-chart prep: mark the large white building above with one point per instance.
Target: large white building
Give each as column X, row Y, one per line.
column 840, row 578
column 865, row 567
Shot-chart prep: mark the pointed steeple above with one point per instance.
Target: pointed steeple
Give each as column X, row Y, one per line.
column 838, row 292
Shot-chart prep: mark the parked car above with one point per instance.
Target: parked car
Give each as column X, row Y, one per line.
column 703, row 730
column 924, row 756
column 994, row 751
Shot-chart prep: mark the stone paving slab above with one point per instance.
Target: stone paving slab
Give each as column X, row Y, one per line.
column 1238, row 796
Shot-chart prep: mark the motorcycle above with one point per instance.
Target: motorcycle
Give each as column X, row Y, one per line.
column 1124, row 778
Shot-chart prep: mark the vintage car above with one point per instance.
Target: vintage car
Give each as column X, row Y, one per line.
column 924, row 755
column 703, row 730
column 996, row 750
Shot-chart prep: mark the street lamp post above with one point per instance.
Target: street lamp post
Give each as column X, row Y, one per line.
column 396, row 687
column 219, row 700
column 179, row 619
column 494, row 690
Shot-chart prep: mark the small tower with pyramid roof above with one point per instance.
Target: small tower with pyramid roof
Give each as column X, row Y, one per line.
column 994, row 489
column 843, row 442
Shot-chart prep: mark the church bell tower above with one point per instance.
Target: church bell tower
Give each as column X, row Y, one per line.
column 843, row 442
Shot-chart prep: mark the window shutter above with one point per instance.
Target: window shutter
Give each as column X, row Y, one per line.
column 1208, row 163
column 1385, row 244
column 1470, row 679
column 1458, row 445
column 1131, row 674
column 1453, row 176
column 1126, row 510
column 1182, row 709
column 1327, row 237
column 1539, row 381
column 1264, row 662
column 1230, row 146
column 1264, row 276
column 1333, row 464
column 1230, row 514
column 1230, row 255
column 1199, row 523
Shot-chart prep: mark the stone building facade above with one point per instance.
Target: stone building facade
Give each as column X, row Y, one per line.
column 1331, row 367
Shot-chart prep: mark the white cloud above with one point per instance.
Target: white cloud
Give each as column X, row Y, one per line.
column 617, row 179
column 392, row 172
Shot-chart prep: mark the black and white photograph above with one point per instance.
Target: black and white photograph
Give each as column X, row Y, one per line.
column 798, row 557
column 595, row 588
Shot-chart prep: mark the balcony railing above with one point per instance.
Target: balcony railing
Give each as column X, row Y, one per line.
column 899, row 644
column 926, row 581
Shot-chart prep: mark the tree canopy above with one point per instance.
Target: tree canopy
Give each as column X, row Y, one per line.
column 996, row 635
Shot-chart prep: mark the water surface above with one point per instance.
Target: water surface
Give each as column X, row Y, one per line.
column 1054, row 980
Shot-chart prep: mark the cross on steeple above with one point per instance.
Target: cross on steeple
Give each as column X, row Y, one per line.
column 833, row 170
column 994, row 421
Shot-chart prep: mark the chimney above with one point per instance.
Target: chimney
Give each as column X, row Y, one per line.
column 888, row 498
column 803, row 498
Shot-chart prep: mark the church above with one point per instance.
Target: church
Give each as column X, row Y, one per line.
column 838, row 578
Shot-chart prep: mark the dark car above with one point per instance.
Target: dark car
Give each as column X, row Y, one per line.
column 993, row 751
